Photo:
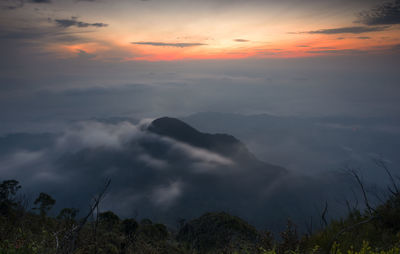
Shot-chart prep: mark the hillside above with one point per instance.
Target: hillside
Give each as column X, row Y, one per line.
column 32, row 231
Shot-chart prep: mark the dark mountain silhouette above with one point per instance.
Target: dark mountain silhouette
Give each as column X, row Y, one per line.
column 223, row 144
column 181, row 131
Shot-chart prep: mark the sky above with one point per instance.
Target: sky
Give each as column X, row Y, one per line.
column 154, row 30
column 77, row 59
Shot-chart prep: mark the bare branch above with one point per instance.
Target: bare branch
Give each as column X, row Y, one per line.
column 382, row 164
column 323, row 215
column 69, row 241
column 94, row 206
column 355, row 174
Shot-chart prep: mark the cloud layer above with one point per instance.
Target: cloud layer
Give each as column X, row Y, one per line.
column 157, row 170
column 157, row 177
column 161, row 178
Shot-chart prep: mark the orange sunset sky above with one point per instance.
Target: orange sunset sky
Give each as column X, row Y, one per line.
column 154, row 30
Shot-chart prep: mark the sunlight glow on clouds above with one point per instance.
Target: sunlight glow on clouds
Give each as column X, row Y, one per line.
column 155, row 30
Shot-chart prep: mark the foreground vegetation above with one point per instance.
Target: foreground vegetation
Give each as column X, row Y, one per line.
column 23, row 230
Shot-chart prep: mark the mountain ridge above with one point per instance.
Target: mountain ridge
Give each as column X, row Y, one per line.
column 223, row 144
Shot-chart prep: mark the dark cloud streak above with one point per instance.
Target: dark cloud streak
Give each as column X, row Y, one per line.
column 336, row 51
column 348, row 30
column 32, row 34
column 241, row 40
column 165, row 44
column 73, row 22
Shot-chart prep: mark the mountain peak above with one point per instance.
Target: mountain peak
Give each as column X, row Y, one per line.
column 176, row 129
column 173, row 128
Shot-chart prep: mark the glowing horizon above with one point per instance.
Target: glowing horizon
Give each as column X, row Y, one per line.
column 180, row 30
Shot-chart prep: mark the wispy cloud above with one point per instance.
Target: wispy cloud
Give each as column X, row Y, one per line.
column 74, row 22
column 93, row 134
column 387, row 13
column 168, row 44
column 348, row 30
column 166, row 195
column 336, row 51
column 84, row 54
column 324, row 48
column 241, row 40
column 200, row 154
